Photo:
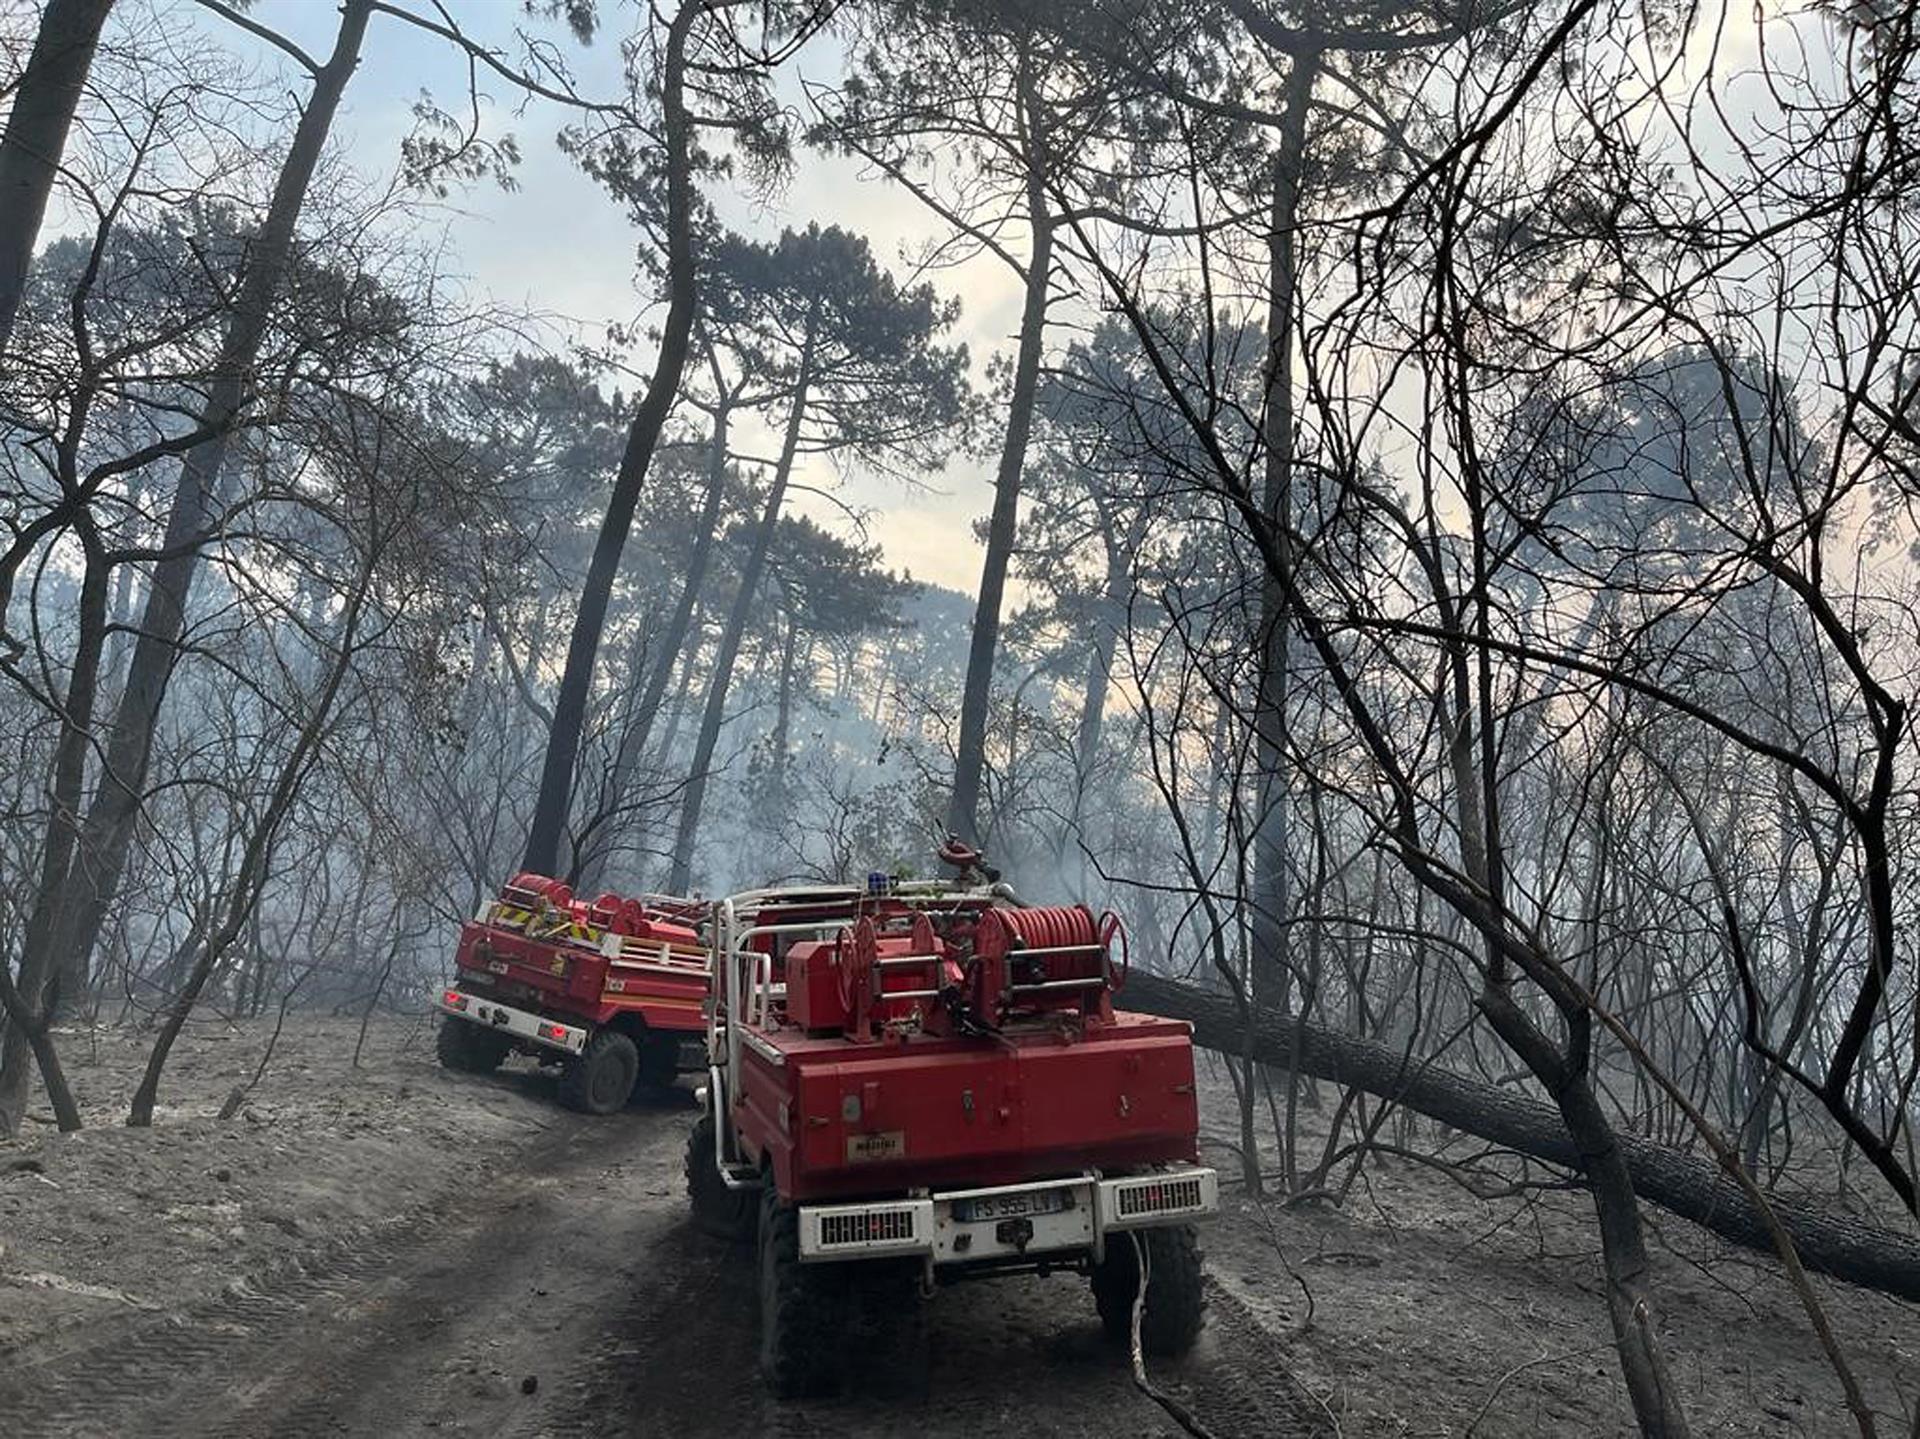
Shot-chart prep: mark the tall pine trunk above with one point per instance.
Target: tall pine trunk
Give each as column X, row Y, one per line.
column 256, row 858
column 783, row 706
column 1093, row 695
column 36, row 137
column 72, row 908
column 672, row 639
column 24, row 1005
column 677, row 707
column 963, row 812
column 1271, row 899
column 576, row 680
column 694, row 796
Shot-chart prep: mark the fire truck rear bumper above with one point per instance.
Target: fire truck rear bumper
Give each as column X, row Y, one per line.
column 1009, row 1223
column 520, row 1023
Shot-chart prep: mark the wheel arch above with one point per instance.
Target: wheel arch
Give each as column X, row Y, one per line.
column 630, row 1022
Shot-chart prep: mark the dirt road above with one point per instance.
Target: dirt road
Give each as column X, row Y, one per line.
column 569, row 1296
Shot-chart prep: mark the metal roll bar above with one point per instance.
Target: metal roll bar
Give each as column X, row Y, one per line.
column 743, row 988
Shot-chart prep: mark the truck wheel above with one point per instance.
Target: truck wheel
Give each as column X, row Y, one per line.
column 599, row 1078
column 800, row 1309
column 730, row 1214
column 467, row 1047
column 659, row 1059
column 1171, row 1319
column 887, row 1326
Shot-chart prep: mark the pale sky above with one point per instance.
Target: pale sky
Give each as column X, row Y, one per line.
column 559, row 245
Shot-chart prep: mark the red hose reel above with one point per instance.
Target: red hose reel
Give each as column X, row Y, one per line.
column 1002, row 931
column 1070, row 932
column 864, row 955
column 1057, row 957
column 610, row 913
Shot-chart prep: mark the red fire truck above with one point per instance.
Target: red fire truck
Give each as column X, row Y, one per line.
column 931, row 1082
column 612, row 990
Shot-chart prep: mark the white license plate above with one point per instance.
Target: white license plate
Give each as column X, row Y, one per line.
column 1009, row 1206
column 496, row 966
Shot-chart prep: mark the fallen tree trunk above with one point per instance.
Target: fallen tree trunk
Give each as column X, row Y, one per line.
column 1833, row 1244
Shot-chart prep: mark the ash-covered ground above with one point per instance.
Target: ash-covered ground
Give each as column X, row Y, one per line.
column 389, row 1249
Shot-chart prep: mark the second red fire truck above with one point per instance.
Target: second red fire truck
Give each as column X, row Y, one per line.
column 612, row 989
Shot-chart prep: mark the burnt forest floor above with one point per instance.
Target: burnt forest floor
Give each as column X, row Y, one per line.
column 1435, row 1312
column 389, row 1249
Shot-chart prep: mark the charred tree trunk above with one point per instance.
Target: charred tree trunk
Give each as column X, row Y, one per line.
column 1270, row 898
column 1093, row 694
column 672, row 640
column 677, row 708
column 1602, row 1160
column 34, row 1033
column 256, row 858
column 36, row 137
column 963, row 816
column 26, row 1008
column 783, row 705
column 576, row 681
column 1694, row 1189
column 1093, row 713
column 108, row 833
column 680, row 876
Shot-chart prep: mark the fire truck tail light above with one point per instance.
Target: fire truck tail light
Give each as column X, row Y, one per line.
column 456, row 1000
column 868, row 1228
column 901, row 1226
column 1146, row 1198
column 1175, row 1196
column 875, row 1225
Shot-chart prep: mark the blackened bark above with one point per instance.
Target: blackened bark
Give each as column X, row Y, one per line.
column 36, row 137
column 108, row 833
column 715, row 713
column 783, row 706
column 255, row 859
column 576, row 681
column 671, row 641
column 963, row 811
column 1616, row 1205
column 1270, row 897
column 35, row 1034
column 25, row 1006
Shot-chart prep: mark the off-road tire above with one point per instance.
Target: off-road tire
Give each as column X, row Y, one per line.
column 470, row 1048
column 659, row 1059
column 887, row 1326
column 801, row 1309
column 1171, row 1320
column 729, row 1214
column 599, row 1079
